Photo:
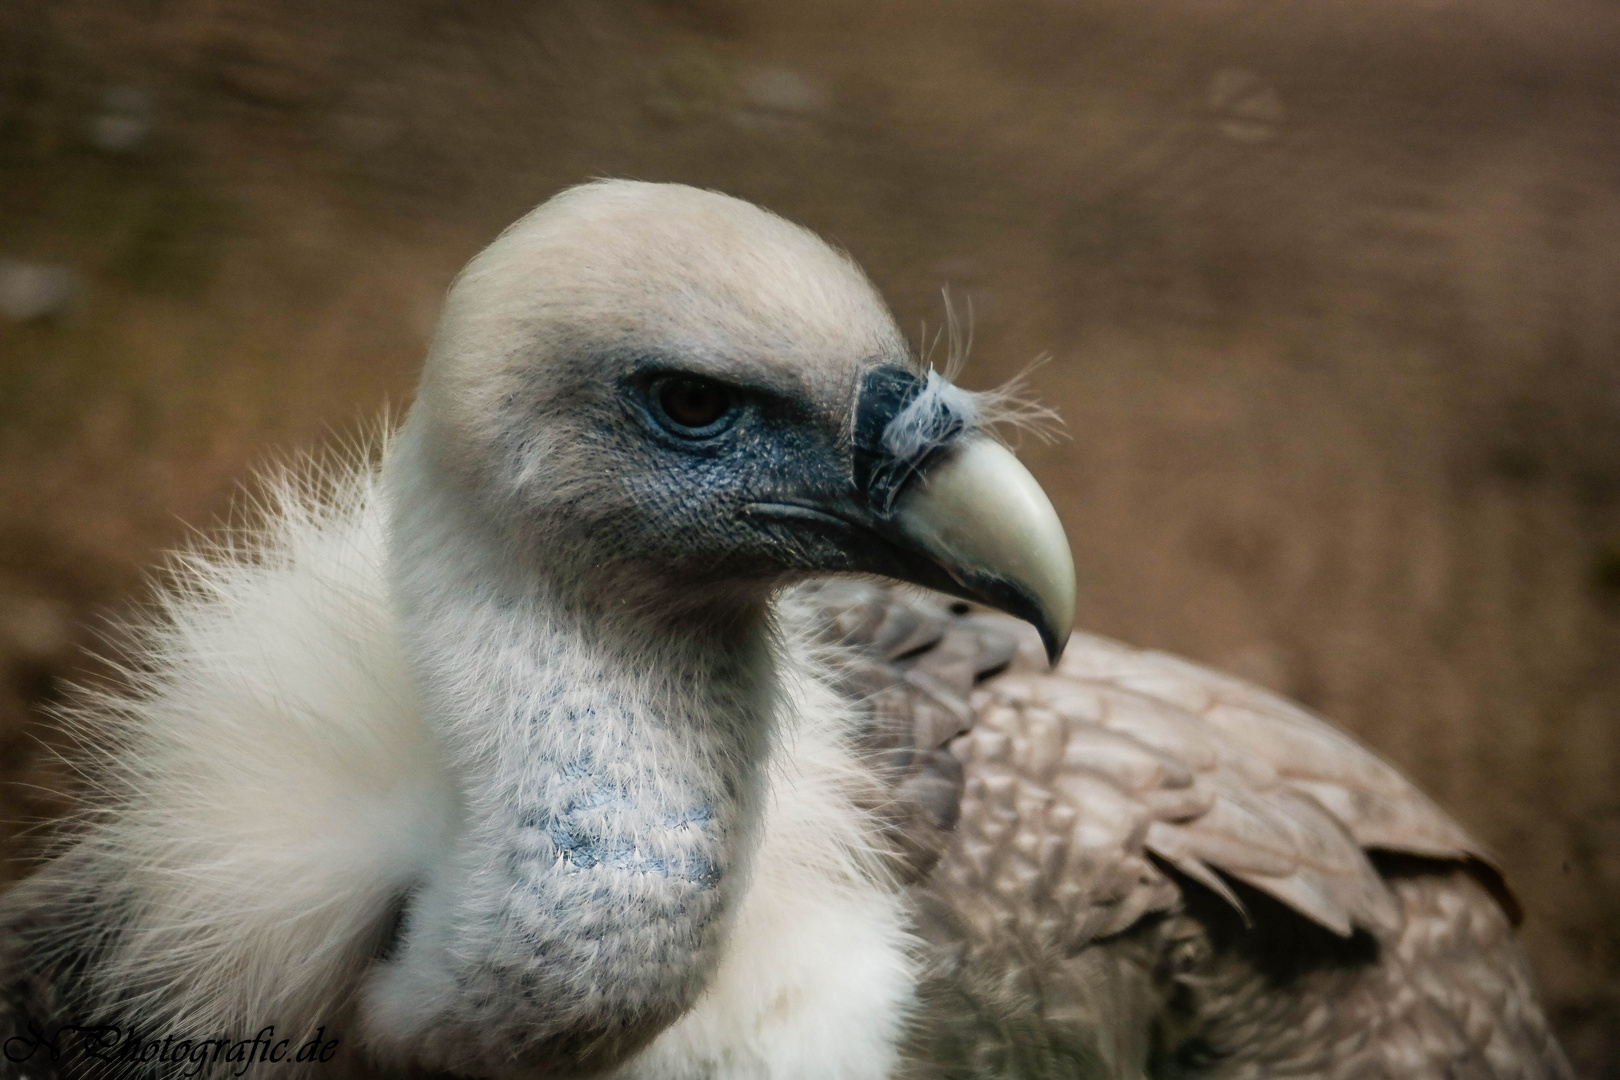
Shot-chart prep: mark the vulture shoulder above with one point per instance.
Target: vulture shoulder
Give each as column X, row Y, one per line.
column 1134, row 866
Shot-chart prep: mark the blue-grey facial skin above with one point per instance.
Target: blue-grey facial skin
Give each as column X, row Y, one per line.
column 777, row 486
column 780, row 487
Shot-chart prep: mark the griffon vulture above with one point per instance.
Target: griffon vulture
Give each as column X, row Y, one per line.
column 579, row 738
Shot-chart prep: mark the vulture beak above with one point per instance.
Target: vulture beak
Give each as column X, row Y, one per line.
column 978, row 515
column 929, row 499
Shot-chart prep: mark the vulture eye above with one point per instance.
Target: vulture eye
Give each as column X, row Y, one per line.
column 692, row 407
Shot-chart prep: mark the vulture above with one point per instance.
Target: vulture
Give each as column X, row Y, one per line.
column 688, row 689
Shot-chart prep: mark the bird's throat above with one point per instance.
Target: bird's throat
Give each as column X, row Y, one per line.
column 610, row 777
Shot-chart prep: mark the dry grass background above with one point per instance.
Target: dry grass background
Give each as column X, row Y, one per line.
column 1331, row 291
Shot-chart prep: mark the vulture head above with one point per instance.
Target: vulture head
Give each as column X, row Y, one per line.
column 665, row 401
column 646, row 410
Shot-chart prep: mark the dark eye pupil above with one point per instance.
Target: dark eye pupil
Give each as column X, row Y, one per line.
column 693, row 404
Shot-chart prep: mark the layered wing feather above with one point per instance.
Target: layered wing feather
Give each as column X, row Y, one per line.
column 1149, row 867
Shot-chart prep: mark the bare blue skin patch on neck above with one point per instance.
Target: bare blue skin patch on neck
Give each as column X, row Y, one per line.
column 675, row 848
column 597, row 822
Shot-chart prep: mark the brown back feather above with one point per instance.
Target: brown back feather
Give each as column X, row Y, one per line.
column 1052, row 824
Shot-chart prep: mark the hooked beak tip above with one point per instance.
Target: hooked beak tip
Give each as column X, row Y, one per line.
column 1054, row 644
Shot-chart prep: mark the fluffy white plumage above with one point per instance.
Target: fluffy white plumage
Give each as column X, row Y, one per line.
column 275, row 786
column 272, row 783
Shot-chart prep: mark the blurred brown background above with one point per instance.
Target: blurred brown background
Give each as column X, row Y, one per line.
column 1331, row 291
